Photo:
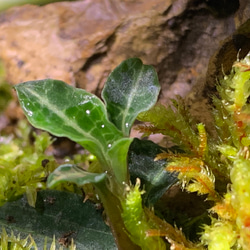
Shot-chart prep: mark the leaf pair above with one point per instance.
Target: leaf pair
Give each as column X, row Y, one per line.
column 63, row 110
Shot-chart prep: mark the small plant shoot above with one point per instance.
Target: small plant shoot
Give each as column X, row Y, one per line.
column 101, row 128
column 130, row 176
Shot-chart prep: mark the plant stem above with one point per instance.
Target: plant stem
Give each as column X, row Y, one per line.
column 113, row 209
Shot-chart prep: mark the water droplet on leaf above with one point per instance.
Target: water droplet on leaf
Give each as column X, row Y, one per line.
column 29, row 113
column 87, row 112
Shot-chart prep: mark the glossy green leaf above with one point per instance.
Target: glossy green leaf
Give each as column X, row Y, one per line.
column 66, row 111
column 130, row 89
column 58, row 213
column 73, row 174
column 154, row 178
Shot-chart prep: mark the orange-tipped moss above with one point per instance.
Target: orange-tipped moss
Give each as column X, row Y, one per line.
column 208, row 159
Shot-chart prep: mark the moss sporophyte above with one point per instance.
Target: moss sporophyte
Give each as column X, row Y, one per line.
column 215, row 165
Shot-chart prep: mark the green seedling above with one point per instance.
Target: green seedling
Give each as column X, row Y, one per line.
column 102, row 128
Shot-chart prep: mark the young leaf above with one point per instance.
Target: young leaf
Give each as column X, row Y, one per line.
column 74, row 174
column 130, row 89
column 66, row 111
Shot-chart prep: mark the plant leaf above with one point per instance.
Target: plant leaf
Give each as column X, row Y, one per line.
column 118, row 154
column 67, row 111
column 73, row 174
column 154, row 178
column 130, row 89
column 58, row 213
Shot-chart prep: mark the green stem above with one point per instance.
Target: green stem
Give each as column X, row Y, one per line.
column 112, row 206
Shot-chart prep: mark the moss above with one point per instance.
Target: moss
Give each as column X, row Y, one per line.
column 209, row 159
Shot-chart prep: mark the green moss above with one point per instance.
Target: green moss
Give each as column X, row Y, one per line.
column 21, row 164
column 136, row 221
column 13, row 242
column 209, row 159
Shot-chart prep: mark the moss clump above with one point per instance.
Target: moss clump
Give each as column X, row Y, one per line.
column 22, row 168
column 216, row 165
